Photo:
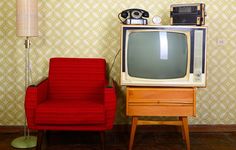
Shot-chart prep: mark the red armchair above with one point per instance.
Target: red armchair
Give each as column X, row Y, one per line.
column 75, row 96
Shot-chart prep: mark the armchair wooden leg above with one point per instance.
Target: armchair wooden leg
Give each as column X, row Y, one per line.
column 102, row 136
column 39, row 139
column 46, row 137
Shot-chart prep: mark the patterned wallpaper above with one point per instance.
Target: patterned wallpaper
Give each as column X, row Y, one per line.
column 78, row 28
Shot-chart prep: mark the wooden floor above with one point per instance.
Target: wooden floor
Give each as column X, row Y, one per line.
column 118, row 140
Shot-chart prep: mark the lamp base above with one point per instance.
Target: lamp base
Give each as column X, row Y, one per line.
column 24, row 142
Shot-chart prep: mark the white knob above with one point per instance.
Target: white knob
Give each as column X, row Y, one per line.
column 156, row 20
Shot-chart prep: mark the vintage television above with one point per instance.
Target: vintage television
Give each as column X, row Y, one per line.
column 166, row 56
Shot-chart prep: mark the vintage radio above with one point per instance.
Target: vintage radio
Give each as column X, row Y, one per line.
column 188, row 14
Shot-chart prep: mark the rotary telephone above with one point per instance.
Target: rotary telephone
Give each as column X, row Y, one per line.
column 134, row 16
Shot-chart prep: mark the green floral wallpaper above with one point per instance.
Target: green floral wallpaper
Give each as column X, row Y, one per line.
column 78, row 28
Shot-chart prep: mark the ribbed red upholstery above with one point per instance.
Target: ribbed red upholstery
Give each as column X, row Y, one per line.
column 77, row 78
column 75, row 112
column 74, row 97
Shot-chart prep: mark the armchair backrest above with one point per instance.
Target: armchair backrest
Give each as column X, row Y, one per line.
column 76, row 78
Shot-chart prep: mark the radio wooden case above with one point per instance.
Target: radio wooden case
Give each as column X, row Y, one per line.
column 187, row 14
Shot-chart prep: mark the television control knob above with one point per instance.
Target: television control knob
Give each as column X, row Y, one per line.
column 198, row 74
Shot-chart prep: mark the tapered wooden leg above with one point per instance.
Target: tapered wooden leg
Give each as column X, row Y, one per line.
column 132, row 133
column 186, row 131
column 102, row 136
column 39, row 139
column 182, row 129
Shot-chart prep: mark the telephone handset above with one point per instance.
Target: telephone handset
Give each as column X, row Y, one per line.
column 134, row 13
column 134, row 16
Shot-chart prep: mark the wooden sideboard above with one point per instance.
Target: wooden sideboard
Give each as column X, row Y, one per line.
column 154, row 101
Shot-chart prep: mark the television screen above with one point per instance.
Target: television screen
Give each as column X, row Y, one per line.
column 157, row 54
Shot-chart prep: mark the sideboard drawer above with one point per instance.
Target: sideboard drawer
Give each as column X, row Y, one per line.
column 160, row 101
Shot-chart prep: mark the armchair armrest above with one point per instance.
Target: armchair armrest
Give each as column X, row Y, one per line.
column 34, row 95
column 110, row 104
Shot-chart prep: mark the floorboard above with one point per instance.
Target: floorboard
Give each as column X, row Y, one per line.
column 118, row 140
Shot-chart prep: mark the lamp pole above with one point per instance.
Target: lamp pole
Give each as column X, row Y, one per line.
column 26, row 26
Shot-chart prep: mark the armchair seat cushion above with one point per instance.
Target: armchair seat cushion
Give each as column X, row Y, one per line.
column 75, row 112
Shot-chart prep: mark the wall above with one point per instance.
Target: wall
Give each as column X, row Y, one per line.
column 77, row 28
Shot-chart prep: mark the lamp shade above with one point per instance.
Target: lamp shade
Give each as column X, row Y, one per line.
column 27, row 18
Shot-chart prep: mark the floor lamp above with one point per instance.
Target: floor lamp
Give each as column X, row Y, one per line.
column 26, row 26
